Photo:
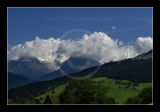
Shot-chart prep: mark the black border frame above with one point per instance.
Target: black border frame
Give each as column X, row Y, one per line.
column 81, row 3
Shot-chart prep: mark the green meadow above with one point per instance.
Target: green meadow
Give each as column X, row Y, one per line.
column 120, row 90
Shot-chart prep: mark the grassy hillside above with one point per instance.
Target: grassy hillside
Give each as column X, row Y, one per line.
column 54, row 94
column 120, row 90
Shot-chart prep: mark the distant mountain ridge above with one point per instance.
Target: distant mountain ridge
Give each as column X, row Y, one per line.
column 29, row 67
column 138, row 69
column 15, row 80
column 72, row 65
column 146, row 55
column 32, row 68
column 75, row 64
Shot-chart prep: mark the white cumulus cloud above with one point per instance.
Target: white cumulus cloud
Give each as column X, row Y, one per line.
column 97, row 46
column 144, row 44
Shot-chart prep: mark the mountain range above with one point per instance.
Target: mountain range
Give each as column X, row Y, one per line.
column 137, row 70
column 72, row 65
column 29, row 67
column 33, row 69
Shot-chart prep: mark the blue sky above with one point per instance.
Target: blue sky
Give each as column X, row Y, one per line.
column 125, row 24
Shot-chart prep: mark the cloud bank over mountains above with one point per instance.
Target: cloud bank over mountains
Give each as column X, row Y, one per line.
column 97, row 46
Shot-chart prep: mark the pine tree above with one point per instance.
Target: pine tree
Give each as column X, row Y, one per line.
column 47, row 100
